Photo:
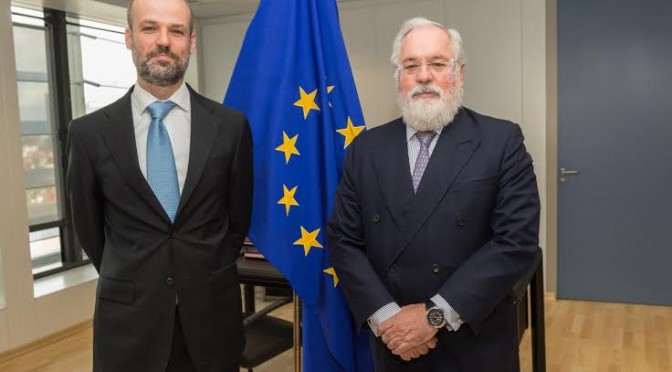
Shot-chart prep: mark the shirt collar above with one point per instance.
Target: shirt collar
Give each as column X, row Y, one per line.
column 141, row 98
column 410, row 132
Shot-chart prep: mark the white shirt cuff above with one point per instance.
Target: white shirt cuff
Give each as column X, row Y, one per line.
column 453, row 319
column 382, row 315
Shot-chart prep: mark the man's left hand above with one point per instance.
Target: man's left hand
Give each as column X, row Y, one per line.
column 407, row 329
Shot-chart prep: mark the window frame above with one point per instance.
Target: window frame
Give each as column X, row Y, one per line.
column 58, row 80
column 62, row 105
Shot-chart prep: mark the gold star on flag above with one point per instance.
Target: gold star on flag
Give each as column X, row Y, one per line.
column 332, row 272
column 288, row 146
column 350, row 132
column 288, row 198
column 329, row 89
column 308, row 240
column 307, row 102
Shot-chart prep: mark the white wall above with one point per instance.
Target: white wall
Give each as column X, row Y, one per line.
column 219, row 40
column 505, row 44
column 13, row 233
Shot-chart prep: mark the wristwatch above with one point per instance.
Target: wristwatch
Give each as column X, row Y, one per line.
column 435, row 316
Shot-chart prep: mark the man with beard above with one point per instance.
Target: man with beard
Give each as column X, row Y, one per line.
column 160, row 186
column 436, row 217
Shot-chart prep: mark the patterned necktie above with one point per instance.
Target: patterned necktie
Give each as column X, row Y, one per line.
column 425, row 139
column 161, row 172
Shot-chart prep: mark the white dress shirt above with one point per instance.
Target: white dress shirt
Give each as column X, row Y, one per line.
column 177, row 122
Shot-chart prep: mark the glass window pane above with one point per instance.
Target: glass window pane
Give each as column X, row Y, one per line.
column 42, row 205
column 30, row 49
column 27, row 16
column 38, row 147
column 101, row 67
column 38, row 164
column 105, row 59
column 99, row 97
column 45, row 249
column 38, row 140
column 34, row 108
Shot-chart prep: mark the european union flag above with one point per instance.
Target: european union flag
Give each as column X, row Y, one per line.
column 294, row 83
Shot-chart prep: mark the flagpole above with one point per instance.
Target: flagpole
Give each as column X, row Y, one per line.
column 297, row 333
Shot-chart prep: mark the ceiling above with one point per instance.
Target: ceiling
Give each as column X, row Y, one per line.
column 115, row 10
column 214, row 8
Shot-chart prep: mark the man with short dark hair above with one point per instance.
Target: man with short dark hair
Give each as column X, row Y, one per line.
column 160, row 186
column 436, row 217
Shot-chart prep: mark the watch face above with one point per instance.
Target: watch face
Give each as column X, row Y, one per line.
column 435, row 317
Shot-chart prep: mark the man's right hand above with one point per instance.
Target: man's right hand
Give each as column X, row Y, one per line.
column 407, row 329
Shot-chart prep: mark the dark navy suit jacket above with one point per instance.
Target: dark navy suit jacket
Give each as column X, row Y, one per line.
column 469, row 233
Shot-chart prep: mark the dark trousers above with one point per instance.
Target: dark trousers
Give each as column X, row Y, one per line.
column 179, row 361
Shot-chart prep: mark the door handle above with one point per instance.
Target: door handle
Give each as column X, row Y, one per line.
column 568, row 172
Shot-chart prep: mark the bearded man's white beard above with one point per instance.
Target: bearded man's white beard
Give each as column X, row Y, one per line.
column 430, row 114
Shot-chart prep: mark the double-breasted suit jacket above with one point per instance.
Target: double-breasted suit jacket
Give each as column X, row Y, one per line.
column 468, row 234
column 148, row 264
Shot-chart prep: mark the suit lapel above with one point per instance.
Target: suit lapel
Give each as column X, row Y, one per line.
column 119, row 135
column 393, row 172
column 203, row 134
column 454, row 148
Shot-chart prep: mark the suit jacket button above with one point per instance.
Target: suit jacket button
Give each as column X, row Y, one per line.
column 173, row 235
column 170, row 281
column 435, row 268
column 376, row 218
column 459, row 221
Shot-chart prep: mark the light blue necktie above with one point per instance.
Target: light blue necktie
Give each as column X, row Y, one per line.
column 425, row 139
column 161, row 171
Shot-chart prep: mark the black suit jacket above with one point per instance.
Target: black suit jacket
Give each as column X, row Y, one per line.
column 145, row 262
column 469, row 233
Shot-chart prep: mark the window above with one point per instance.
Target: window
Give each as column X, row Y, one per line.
column 101, row 68
column 66, row 67
column 40, row 145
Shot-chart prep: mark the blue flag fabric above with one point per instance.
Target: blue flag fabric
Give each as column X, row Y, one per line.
column 294, row 83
